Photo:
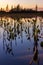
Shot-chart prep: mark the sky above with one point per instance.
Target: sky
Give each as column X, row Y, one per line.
column 23, row 3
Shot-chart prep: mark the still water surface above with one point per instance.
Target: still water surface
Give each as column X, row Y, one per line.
column 20, row 41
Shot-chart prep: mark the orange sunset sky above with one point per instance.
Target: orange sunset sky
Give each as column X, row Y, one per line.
column 23, row 3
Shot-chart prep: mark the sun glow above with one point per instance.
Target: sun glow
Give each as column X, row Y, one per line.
column 23, row 3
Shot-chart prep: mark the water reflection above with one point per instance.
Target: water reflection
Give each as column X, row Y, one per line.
column 35, row 48
column 19, row 34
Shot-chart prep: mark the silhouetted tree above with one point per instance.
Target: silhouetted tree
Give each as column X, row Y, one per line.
column 18, row 7
column 12, row 7
column 1, row 9
column 7, row 8
column 36, row 7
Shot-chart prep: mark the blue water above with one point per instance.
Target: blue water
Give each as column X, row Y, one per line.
column 17, row 48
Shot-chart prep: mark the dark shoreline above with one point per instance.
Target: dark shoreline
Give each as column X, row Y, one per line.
column 21, row 15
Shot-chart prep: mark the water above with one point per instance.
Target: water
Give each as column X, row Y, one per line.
column 20, row 43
